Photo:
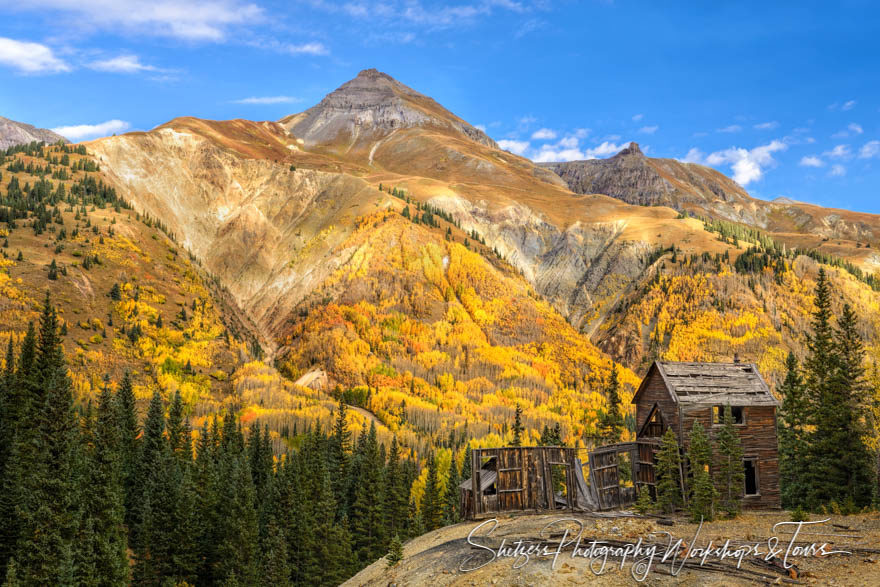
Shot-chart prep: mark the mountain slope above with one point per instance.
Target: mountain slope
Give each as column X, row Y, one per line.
column 19, row 133
column 632, row 177
column 276, row 210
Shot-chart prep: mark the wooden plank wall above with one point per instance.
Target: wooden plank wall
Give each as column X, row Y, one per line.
column 655, row 392
column 524, row 480
column 758, row 438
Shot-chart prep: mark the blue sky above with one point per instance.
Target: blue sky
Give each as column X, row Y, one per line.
column 783, row 96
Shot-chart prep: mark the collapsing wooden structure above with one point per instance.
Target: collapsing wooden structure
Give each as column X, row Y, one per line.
column 672, row 395
column 553, row 478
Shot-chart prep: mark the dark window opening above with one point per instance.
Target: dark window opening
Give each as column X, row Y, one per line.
column 751, row 468
column 654, row 426
column 738, row 413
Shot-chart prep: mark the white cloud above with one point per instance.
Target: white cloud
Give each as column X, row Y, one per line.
column 191, row 20
column 856, row 128
column 79, row 132
column 748, row 165
column 611, row 138
column 262, row 100
column 550, row 153
column 811, row 161
column 581, row 133
column 649, row 130
column 605, row 149
column 837, row 170
column 29, row 57
column 849, row 105
column 569, row 142
column 869, row 150
column 515, row 147
column 544, row 134
column 305, row 49
column 731, row 128
column 122, row 64
column 693, row 156
column 767, row 125
column 481, row 127
column 839, row 152
column 638, row 117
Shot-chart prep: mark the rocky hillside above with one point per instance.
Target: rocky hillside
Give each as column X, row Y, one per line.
column 632, row 177
column 19, row 133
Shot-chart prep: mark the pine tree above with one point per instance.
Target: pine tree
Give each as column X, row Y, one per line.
column 731, row 471
column 792, row 434
column 852, row 407
column 129, row 445
column 432, row 509
column 395, row 551
column 340, row 446
column 47, row 457
column 517, row 427
column 452, row 502
column 396, row 492
column 367, row 530
column 276, row 568
column 102, row 496
column 824, row 477
column 612, row 421
column 703, row 494
column 668, row 473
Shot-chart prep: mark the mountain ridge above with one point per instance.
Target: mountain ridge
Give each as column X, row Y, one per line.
column 18, row 133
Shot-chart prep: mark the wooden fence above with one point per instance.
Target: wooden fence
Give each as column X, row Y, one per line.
column 551, row 478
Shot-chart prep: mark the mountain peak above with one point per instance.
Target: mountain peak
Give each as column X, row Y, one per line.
column 631, row 149
column 370, row 106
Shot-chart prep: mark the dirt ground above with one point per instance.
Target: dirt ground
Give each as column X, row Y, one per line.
column 437, row 558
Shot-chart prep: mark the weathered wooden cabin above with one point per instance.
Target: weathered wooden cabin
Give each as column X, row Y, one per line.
column 678, row 394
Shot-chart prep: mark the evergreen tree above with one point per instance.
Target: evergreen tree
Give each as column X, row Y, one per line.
column 102, row 497
column 668, row 473
column 276, row 568
column 395, row 551
column 366, row 519
column 731, row 471
column 129, row 445
column 340, row 446
column 703, row 494
column 432, row 509
column 452, row 502
column 517, row 427
column 824, row 477
column 850, row 388
column 792, row 435
column 612, row 420
column 396, row 492
column 46, row 456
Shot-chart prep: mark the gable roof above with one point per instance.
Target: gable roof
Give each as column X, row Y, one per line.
column 737, row 384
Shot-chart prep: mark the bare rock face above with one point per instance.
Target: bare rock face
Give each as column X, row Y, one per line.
column 636, row 179
column 18, row 133
column 373, row 104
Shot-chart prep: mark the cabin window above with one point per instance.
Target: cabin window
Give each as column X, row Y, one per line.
column 738, row 413
column 751, row 469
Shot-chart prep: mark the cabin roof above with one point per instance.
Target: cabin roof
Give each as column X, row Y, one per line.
column 736, row 384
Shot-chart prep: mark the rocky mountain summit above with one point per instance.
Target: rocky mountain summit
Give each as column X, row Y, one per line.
column 18, row 133
column 636, row 179
column 374, row 103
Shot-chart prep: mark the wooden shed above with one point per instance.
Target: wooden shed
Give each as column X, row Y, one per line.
column 676, row 395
